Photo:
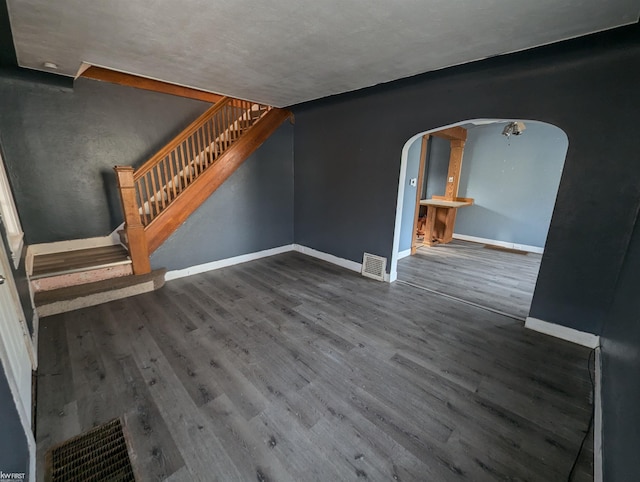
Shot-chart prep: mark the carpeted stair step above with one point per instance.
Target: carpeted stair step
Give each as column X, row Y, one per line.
column 75, row 297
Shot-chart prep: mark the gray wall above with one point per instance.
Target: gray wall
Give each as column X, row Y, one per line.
column 60, row 146
column 513, row 181
column 14, row 449
column 252, row 211
column 621, row 373
column 348, row 148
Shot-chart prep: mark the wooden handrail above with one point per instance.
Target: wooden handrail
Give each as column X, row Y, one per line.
column 168, row 177
column 160, row 180
column 161, row 227
column 187, row 132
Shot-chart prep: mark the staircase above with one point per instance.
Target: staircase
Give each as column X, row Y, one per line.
column 160, row 195
column 71, row 268
column 69, row 280
column 156, row 199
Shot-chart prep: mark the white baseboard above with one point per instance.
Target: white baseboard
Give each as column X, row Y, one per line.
column 345, row 263
column 598, row 475
column 394, row 275
column 330, row 258
column 563, row 332
column 502, row 244
column 223, row 263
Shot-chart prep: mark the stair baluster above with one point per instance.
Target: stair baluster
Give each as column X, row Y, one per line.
column 205, row 149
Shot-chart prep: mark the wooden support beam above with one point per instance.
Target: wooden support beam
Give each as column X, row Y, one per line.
column 114, row 77
column 136, row 239
column 441, row 219
column 452, row 134
column 421, row 174
column 455, row 167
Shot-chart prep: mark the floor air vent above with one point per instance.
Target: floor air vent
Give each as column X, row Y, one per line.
column 98, row 455
column 374, row 266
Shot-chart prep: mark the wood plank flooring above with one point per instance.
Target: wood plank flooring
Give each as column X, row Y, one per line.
column 500, row 280
column 291, row 369
column 78, row 260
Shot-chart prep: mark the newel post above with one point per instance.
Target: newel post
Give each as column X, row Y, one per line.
column 138, row 249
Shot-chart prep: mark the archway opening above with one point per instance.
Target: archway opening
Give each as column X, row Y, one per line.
column 475, row 202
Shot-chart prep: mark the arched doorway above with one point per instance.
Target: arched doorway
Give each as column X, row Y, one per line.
column 487, row 189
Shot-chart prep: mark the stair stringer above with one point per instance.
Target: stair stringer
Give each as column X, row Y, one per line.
column 225, row 136
column 159, row 230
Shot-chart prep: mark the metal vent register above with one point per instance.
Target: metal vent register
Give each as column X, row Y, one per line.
column 374, row 266
column 98, row 455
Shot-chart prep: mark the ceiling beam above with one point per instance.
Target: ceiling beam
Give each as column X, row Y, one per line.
column 452, row 134
column 114, row 77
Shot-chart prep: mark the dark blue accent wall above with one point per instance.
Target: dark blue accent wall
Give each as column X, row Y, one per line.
column 7, row 50
column 348, row 148
column 621, row 373
column 60, row 146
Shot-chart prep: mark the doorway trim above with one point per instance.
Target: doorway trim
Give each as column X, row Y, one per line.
column 10, row 218
column 17, row 355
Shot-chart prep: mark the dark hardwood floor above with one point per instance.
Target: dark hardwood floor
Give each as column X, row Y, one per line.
column 289, row 368
column 500, row 280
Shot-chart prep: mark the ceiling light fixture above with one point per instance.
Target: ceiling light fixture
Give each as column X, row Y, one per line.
column 50, row 65
column 516, row 128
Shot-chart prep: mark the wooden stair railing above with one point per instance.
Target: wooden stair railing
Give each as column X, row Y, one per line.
column 159, row 196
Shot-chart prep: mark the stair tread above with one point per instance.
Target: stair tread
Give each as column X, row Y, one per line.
column 73, row 292
column 78, row 260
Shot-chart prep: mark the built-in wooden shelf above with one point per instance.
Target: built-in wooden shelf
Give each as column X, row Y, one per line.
column 445, row 204
column 441, row 210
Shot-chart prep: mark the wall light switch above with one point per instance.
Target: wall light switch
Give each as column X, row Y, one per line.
column 451, row 179
column 413, row 181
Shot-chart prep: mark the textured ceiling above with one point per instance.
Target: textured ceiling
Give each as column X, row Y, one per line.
column 287, row 51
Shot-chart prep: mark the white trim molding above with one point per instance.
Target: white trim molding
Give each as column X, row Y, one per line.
column 563, row 332
column 223, row 263
column 502, row 244
column 598, row 474
column 330, row 258
column 10, row 218
column 404, row 254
